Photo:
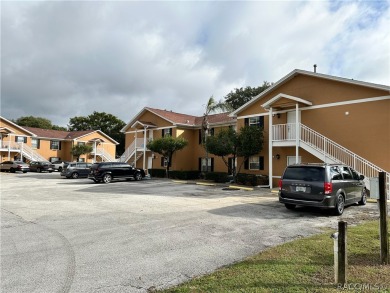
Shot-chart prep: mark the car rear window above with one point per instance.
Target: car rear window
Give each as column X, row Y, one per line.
column 305, row 173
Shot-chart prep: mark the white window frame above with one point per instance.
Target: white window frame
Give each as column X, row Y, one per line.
column 167, row 131
column 52, row 142
column 34, row 143
column 203, row 165
column 20, row 139
column 256, row 119
column 254, row 160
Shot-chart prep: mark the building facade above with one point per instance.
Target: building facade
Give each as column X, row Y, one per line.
column 306, row 116
column 36, row 144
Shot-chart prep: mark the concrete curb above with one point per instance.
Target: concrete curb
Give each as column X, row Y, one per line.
column 205, row 184
column 242, row 188
column 372, row 200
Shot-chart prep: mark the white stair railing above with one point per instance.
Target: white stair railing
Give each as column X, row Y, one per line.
column 328, row 148
column 30, row 154
column 340, row 154
column 106, row 156
column 129, row 152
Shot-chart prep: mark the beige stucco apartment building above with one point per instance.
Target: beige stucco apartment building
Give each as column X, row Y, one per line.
column 36, row 144
column 307, row 117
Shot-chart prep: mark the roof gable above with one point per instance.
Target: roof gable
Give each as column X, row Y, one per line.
column 297, row 72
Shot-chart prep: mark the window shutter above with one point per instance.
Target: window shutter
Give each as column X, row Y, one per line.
column 25, row 139
column 59, row 145
column 246, row 121
column 200, row 164
column 261, row 121
column 16, row 139
column 38, row 143
column 261, row 163
column 162, row 132
column 212, row 131
column 162, row 161
column 246, row 164
column 169, row 162
column 212, row 165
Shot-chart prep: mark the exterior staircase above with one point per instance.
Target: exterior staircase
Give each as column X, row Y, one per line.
column 134, row 152
column 106, row 157
column 325, row 149
column 30, row 154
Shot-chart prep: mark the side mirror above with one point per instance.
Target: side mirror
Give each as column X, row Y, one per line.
column 361, row 177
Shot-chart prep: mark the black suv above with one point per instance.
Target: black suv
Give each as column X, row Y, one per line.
column 330, row 186
column 109, row 171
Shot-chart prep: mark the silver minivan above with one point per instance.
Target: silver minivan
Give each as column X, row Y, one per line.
column 330, row 186
column 76, row 170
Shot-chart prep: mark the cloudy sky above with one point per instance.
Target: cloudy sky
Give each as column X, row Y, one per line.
column 65, row 59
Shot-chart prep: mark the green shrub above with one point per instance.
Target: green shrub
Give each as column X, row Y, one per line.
column 160, row 173
column 184, row 175
column 219, row 177
column 252, row 179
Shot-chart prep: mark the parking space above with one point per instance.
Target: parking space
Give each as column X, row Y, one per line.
column 66, row 235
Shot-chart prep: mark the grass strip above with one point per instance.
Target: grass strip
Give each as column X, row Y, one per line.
column 304, row 265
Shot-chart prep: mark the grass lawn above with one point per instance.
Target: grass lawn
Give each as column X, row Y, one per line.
column 304, row 265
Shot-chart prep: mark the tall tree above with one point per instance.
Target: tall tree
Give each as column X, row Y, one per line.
column 108, row 123
column 248, row 142
column 166, row 147
column 80, row 149
column 38, row 122
column 211, row 106
column 235, row 99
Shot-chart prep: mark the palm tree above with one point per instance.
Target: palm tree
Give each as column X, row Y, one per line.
column 210, row 107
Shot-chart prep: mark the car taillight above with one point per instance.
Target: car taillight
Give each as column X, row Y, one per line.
column 328, row 187
column 280, row 184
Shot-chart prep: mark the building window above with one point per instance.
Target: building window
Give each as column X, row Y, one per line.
column 55, row 145
column 255, row 121
column 35, row 143
column 255, row 163
column 164, row 162
column 206, row 165
column 211, row 132
column 80, row 143
column 81, row 160
column 167, row 131
column 21, row 139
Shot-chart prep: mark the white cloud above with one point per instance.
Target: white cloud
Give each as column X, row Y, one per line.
column 66, row 59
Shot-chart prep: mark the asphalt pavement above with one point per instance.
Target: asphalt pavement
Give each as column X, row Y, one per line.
column 66, row 235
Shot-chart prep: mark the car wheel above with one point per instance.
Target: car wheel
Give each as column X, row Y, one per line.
column 39, row 170
column 75, row 175
column 60, row 169
column 12, row 170
column 363, row 200
column 107, row 178
column 138, row 176
column 340, row 204
column 289, row 206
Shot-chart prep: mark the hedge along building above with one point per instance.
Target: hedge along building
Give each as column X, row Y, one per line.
column 152, row 123
column 36, row 144
column 312, row 117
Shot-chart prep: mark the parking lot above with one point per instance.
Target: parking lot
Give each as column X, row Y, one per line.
column 66, row 235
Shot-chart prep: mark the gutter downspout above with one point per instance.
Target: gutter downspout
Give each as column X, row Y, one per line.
column 296, row 133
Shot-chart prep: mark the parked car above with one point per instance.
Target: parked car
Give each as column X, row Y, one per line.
column 13, row 166
column 76, row 170
column 59, row 165
column 109, row 171
column 331, row 186
column 41, row 166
